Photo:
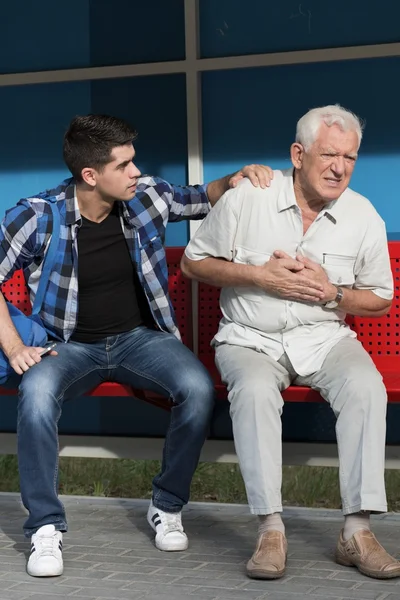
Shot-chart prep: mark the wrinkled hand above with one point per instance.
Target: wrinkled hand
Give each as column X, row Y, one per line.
column 314, row 271
column 321, row 275
column 259, row 175
column 21, row 358
column 287, row 278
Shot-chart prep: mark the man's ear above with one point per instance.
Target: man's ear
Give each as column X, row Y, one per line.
column 297, row 155
column 89, row 176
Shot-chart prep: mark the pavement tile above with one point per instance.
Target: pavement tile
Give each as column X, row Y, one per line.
column 110, row 554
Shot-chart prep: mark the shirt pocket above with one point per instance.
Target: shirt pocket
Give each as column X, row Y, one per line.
column 246, row 256
column 153, row 264
column 151, row 245
column 339, row 268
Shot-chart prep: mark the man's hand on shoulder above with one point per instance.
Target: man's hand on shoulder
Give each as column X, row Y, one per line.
column 259, row 175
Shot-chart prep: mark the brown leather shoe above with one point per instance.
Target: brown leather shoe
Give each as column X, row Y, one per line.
column 365, row 552
column 269, row 558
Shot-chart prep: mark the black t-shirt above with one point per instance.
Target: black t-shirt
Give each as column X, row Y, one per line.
column 110, row 297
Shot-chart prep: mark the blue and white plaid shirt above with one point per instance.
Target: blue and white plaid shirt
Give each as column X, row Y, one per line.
column 26, row 230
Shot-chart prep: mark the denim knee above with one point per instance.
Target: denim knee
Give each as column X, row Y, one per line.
column 38, row 400
column 195, row 386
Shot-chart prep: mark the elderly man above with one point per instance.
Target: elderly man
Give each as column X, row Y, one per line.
column 270, row 336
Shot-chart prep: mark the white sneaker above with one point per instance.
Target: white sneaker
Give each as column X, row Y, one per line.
column 170, row 536
column 46, row 553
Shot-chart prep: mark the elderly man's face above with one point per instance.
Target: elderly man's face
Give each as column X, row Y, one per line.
column 324, row 172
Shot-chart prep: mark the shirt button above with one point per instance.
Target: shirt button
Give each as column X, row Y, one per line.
column 286, row 344
column 290, row 303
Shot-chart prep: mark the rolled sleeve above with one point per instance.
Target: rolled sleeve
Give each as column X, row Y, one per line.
column 17, row 240
column 215, row 236
column 373, row 271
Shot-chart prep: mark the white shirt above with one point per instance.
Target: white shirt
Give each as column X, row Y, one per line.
column 348, row 239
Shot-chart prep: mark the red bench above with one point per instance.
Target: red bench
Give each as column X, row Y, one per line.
column 381, row 337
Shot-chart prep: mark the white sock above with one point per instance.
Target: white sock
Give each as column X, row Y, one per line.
column 355, row 522
column 270, row 523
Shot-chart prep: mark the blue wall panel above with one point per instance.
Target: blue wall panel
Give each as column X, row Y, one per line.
column 255, row 26
column 134, row 32
column 45, row 35
column 250, row 115
column 33, row 120
column 156, row 107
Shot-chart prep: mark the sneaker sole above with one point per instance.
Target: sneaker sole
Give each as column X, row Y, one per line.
column 44, row 574
column 172, row 548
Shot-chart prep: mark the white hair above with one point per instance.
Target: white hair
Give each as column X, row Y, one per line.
column 309, row 125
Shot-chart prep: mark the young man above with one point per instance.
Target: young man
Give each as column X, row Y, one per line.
column 271, row 335
column 107, row 305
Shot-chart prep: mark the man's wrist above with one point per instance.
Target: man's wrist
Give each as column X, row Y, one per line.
column 257, row 276
column 217, row 188
column 332, row 293
column 226, row 182
column 12, row 347
column 334, row 302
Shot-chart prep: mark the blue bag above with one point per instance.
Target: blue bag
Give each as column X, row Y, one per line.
column 30, row 328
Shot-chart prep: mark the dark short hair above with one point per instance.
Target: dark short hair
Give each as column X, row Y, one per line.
column 90, row 140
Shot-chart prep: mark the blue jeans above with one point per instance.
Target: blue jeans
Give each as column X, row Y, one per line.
column 143, row 358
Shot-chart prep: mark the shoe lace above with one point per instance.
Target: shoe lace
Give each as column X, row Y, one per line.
column 46, row 545
column 172, row 522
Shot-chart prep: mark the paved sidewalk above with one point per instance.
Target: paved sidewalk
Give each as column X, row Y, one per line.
column 109, row 554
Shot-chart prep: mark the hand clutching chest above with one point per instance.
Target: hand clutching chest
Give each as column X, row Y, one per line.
column 296, row 277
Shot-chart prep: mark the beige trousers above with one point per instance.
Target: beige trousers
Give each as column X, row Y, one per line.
column 348, row 380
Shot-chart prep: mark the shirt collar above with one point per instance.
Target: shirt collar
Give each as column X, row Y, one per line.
column 71, row 202
column 130, row 219
column 287, row 198
column 73, row 215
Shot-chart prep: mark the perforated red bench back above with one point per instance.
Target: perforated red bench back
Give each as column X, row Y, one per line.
column 16, row 292
column 379, row 336
column 180, row 290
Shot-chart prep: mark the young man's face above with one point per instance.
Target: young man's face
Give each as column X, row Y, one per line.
column 119, row 177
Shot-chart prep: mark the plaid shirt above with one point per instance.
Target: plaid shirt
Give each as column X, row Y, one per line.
column 26, row 230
